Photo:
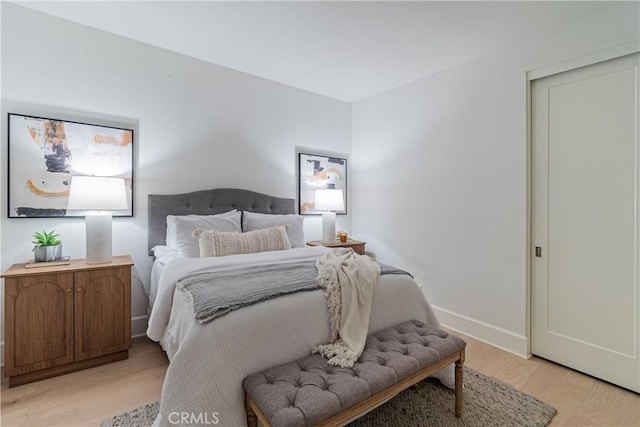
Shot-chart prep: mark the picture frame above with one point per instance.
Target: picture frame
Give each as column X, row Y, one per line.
column 44, row 154
column 320, row 171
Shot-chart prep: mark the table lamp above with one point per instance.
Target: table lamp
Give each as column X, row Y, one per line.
column 329, row 201
column 99, row 196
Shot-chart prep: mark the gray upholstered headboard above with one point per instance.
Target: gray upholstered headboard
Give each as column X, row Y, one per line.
column 208, row 202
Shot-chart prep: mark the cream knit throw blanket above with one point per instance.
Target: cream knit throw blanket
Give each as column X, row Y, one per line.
column 349, row 282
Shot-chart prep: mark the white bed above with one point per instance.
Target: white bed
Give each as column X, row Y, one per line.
column 208, row 362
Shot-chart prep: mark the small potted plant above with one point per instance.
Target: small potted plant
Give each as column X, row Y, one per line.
column 47, row 247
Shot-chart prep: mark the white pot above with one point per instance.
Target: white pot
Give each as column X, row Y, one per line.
column 47, row 253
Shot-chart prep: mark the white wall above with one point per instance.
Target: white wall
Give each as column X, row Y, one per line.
column 439, row 171
column 197, row 125
column 2, row 184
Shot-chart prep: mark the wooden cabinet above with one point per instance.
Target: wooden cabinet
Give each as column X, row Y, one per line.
column 64, row 318
column 356, row 245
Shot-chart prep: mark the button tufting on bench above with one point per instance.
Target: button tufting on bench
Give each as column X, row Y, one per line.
column 325, row 391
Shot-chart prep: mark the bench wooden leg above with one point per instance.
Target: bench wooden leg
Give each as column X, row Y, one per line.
column 252, row 420
column 458, row 387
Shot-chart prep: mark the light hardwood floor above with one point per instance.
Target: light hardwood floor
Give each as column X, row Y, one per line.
column 87, row 397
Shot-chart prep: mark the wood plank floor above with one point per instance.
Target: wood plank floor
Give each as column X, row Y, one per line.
column 87, row 397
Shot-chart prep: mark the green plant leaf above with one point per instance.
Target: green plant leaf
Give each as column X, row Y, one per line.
column 45, row 239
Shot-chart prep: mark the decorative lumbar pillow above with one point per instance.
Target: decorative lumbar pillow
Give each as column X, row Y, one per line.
column 257, row 221
column 216, row 243
column 180, row 229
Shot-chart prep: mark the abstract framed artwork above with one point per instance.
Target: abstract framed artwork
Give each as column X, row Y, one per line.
column 316, row 172
column 45, row 154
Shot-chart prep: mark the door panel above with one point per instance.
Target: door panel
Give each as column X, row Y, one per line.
column 103, row 312
column 585, row 292
column 39, row 318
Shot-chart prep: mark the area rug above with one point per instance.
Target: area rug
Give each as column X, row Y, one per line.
column 487, row 403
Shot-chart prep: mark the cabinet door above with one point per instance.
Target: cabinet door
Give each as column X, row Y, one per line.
column 38, row 322
column 103, row 312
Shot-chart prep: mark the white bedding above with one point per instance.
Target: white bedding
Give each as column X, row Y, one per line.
column 210, row 361
column 156, row 272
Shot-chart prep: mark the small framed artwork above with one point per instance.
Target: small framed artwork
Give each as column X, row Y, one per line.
column 45, row 153
column 316, row 172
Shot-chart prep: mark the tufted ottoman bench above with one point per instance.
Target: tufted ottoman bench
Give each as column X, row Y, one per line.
column 310, row 392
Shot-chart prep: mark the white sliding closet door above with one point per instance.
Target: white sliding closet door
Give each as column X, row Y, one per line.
column 585, row 310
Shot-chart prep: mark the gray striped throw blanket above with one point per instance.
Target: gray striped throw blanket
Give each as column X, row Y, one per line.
column 215, row 294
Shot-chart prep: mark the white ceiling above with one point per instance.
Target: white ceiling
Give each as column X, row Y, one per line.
column 344, row 50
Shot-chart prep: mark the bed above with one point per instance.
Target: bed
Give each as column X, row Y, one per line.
column 208, row 362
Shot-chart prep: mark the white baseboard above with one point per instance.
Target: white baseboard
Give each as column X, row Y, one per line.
column 497, row 337
column 138, row 329
column 139, row 326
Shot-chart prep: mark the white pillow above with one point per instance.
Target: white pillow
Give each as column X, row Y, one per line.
column 216, row 243
column 160, row 251
column 180, row 229
column 257, row 221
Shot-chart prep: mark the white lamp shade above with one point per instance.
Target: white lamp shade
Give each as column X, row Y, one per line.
column 329, row 200
column 96, row 193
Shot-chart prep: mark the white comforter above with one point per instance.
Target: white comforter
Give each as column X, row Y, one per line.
column 210, row 361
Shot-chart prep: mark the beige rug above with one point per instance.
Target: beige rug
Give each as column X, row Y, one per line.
column 487, row 403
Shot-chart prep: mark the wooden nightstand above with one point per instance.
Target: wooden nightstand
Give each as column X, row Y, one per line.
column 60, row 319
column 356, row 245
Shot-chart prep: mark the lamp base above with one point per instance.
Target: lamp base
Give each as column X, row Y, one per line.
column 98, row 226
column 328, row 227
